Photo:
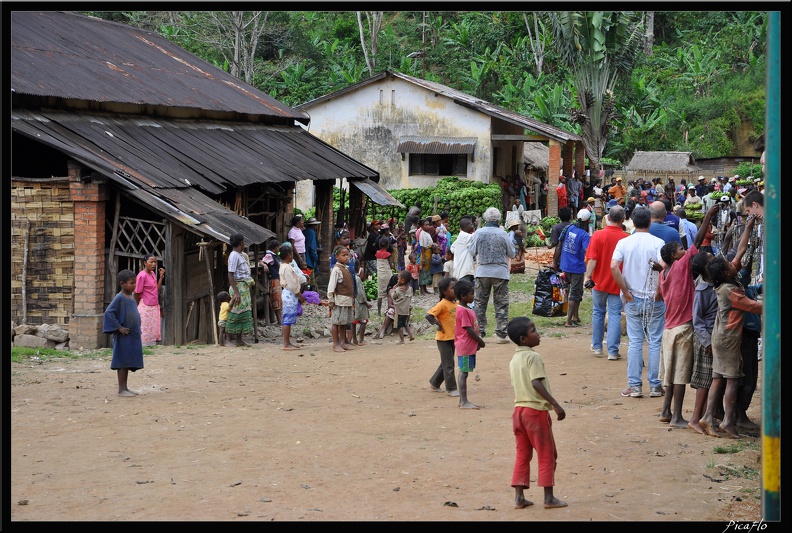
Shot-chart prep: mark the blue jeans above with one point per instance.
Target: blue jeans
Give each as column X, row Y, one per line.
column 605, row 301
column 645, row 320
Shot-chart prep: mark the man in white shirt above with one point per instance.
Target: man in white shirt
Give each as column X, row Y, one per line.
column 639, row 257
column 464, row 267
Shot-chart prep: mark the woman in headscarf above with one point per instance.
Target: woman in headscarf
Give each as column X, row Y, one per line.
column 240, row 316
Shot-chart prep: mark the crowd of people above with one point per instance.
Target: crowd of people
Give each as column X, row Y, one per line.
column 689, row 292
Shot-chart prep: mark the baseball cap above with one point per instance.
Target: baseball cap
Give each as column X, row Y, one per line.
column 583, row 215
column 725, row 198
column 691, row 186
column 590, row 199
column 619, row 178
column 713, row 180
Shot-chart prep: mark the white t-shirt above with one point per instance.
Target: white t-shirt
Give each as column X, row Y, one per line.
column 634, row 254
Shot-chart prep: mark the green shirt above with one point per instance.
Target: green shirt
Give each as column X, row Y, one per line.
column 527, row 365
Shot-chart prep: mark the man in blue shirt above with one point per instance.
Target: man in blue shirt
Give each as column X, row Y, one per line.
column 574, row 243
column 657, row 209
column 492, row 249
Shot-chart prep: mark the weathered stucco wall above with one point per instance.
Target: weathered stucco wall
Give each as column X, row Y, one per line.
column 367, row 124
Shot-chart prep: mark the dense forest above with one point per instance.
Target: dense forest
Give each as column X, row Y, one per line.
column 626, row 81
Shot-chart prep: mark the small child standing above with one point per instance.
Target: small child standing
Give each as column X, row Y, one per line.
column 402, row 295
column 384, row 271
column 531, row 422
column 390, row 312
column 401, row 247
column 467, row 340
column 361, row 314
column 290, row 294
column 727, row 331
column 223, row 297
column 341, row 299
column 448, row 266
column 272, row 263
column 414, row 269
column 443, row 316
column 436, row 268
column 122, row 320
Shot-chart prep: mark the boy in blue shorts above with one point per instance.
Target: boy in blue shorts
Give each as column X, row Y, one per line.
column 467, row 340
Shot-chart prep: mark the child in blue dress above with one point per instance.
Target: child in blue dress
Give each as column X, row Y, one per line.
column 122, row 320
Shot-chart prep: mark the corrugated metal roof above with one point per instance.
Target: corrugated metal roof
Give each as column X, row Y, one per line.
column 462, row 99
column 201, row 214
column 416, row 144
column 375, row 192
column 68, row 55
column 212, row 155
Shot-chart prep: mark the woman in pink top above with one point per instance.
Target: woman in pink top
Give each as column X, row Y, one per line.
column 297, row 238
column 147, row 286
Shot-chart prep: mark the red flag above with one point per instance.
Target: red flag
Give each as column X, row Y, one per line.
column 540, row 233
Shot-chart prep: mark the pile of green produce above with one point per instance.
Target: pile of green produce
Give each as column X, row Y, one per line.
column 693, row 211
column 371, row 288
column 455, row 196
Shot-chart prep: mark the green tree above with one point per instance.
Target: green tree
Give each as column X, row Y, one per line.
column 599, row 49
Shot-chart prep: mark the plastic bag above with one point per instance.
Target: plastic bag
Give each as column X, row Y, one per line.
column 549, row 293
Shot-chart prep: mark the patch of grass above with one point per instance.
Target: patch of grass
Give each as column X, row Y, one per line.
column 20, row 354
column 737, row 446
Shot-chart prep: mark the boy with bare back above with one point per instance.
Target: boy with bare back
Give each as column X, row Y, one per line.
column 531, row 420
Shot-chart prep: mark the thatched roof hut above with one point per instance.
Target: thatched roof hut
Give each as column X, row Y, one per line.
column 536, row 156
column 649, row 165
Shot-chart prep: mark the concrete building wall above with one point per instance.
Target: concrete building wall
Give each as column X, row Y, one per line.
column 368, row 123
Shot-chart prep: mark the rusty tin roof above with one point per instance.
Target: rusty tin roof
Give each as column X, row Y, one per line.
column 68, row 55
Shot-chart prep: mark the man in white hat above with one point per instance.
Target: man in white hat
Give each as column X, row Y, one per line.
column 692, row 197
column 573, row 244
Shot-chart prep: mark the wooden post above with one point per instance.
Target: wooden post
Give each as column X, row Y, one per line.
column 24, row 270
column 113, row 242
column 204, row 249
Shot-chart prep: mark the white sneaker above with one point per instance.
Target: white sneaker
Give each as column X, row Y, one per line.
column 597, row 351
column 501, row 340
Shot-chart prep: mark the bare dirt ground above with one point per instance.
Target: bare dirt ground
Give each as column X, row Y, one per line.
column 260, row 434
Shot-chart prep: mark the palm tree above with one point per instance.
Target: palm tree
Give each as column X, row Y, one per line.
column 599, row 49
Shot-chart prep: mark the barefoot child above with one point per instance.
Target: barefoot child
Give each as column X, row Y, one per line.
column 272, row 263
column 341, row 298
column 384, row 271
column 676, row 287
column 402, row 295
column 290, row 294
column 727, row 339
column 223, row 297
column 122, row 320
column 390, row 312
column 362, row 307
column 531, row 420
column 705, row 308
column 443, row 315
column 467, row 340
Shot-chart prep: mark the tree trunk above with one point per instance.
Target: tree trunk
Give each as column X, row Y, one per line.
column 649, row 29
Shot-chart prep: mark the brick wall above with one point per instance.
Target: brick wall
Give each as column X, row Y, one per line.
column 42, row 212
column 88, row 195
